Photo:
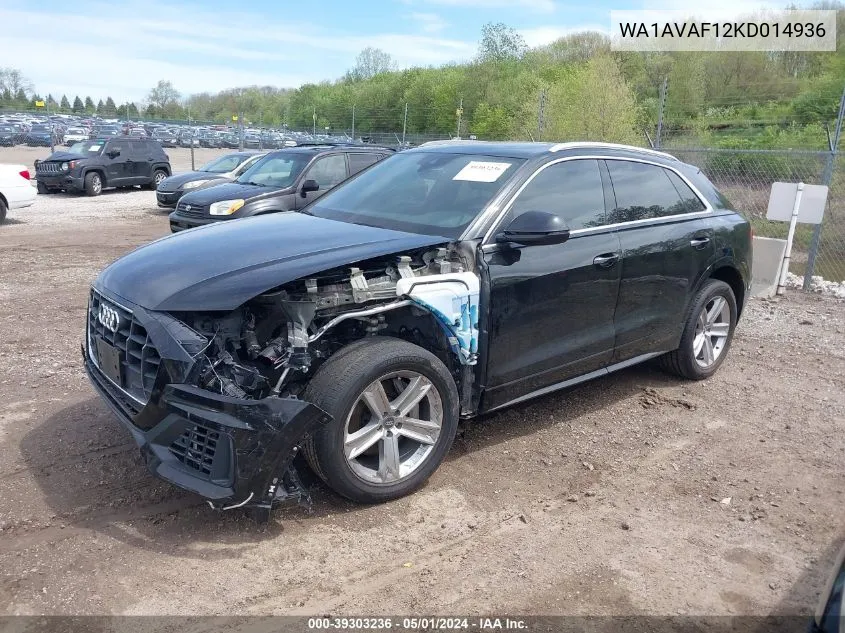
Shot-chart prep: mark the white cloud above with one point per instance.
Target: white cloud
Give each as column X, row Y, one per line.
column 536, row 6
column 547, row 34
column 197, row 49
column 429, row 22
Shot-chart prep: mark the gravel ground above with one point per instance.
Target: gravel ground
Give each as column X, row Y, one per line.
column 633, row 494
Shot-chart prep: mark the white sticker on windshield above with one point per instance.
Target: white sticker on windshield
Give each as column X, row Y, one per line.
column 482, row 171
column 94, row 148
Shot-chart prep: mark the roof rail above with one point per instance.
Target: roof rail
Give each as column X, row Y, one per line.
column 631, row 148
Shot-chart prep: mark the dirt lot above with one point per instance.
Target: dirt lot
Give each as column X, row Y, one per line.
column 633, row 494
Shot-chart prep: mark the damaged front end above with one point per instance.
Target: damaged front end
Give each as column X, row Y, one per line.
column 213, row 399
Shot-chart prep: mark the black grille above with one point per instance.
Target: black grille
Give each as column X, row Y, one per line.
column 196, row 448
column 195, row 211
column 138, row 356
column 48, row 168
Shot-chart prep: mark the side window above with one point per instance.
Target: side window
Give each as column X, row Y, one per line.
column 571, row 189
column 357, row 162
column 328, row 171
column 690, row 203
column 117, row 146
column 137, row 148
column 642, row 191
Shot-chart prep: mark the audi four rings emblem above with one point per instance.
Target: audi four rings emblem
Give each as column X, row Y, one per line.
column 108, row 318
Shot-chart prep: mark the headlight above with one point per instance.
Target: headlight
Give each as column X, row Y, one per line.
column 195, row 183
column 225, row 207
column 64, row 166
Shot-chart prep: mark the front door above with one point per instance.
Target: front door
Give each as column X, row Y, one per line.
column 327, row 172
column 551, row 306
column 667, row 243
column 117, row 160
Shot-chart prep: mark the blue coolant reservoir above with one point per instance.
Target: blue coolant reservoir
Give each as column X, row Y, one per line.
column 453, row 299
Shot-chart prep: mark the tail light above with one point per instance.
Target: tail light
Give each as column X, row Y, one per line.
column 25, row 174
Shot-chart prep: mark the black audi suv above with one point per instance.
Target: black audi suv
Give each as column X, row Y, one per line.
column 444, row 282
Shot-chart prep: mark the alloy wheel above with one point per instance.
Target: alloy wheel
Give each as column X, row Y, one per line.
column 712, row 329
column 393, row 427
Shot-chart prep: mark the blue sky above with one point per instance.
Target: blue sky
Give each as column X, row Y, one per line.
column 121, row 49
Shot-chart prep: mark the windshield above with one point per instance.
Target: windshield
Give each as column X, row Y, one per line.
column 431, row 193
column 223, row 164
column 40, row 128
column 275, row 170
column 87, row 147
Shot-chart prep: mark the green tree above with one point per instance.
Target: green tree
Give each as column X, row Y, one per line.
column 52, row 103
column 596, row 104
column 100, row 107
column 90, row 108
column 163, row 95
column 109, row 109
column 500, row 42
column 64, row 104
column 78, row 106
column 21, row 99
column 369, row 63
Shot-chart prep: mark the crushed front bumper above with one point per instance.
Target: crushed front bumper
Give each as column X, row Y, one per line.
column 233, row 452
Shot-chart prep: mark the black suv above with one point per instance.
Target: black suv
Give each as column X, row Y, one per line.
column 284, row 180
column 444, row 282
column 92, row 166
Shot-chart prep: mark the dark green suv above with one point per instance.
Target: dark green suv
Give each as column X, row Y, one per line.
column 91, row 166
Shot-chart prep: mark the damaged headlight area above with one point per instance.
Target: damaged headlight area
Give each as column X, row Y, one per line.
column 214, row 398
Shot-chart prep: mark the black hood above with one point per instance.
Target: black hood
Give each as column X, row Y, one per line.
column 174, row 182
column 65, row 156
column 222, row 265
column 227, row 191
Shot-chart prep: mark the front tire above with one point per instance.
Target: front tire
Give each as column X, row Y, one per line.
column 3, row 211
column 708, row 332
column 42, row 188
column 93, row 184
column 395, row 408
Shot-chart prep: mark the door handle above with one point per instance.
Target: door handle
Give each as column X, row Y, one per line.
column 699, row 242
column 606, row 260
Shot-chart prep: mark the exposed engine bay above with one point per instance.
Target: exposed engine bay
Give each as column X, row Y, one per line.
column 271, row 345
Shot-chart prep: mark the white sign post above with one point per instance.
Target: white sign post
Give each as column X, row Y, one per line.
column 795, row 202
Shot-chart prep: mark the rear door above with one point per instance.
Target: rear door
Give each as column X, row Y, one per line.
column 551, row 306
column 667, row 240
column 141, row 157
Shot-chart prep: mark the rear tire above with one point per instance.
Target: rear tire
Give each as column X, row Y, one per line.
column 708, row 332
column 373, row 457
column 93, row 184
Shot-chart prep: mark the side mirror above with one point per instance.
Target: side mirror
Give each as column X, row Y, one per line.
column 535, row 227
column 309, row 185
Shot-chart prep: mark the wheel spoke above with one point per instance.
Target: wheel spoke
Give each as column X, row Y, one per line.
column 715, row 310
column 422, row 431
column 362, row 439
column 698, row 344
column 720, row 329
column 376, row 400
column 388, row 459
column 708, row 351
column 416, row 390
column 702, row 321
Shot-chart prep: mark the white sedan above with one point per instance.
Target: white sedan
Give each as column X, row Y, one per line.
column 16, row 192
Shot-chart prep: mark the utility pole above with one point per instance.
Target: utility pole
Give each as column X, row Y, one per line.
column 314, row 117
column 541, row 114
column 193, row 166
column 460, row 113
column 663, row 90
column 353, row 122
column 404, row 123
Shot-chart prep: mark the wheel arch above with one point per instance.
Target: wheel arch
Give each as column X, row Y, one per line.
column 98, row 169
column 730, row 275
